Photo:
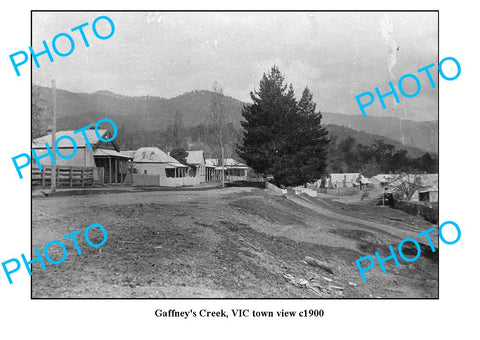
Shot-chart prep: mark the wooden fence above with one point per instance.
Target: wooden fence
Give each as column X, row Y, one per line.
column 430, row 213
column 338, row 191
column 66, row 176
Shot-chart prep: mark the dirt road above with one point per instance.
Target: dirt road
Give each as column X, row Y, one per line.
column 234, row 243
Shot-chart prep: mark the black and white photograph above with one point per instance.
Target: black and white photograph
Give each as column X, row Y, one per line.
column 225, row 155
column 239, row 170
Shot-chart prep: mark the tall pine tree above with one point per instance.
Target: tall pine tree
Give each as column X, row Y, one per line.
column 283, row 137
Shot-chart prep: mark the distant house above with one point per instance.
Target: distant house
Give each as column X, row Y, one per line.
column 153, row 167
column 382, row 180
column 429, row 188
column 234, row 170
column 428, row 195
column 103, row 155
column 196, row 160
column 130, row 154
column 426, row 186
column 346, row 180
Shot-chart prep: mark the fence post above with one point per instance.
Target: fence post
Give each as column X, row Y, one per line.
column 71, row 176
column 83, row 177
column 43, row 176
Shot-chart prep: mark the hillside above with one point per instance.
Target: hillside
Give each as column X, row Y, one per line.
column 148, row 112
column 368, row 139
column 423, row 135
column 151, row 113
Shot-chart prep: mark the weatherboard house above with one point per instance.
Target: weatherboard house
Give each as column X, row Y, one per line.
column 154, row 167
column 110, row 165
column 196, row 162
column 382, row 180
column 233, row 170
column 426, row 186
column 346, row 180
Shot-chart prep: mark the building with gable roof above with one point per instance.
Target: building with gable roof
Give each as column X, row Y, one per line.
column 382, row 180
column 154, row 167
column 196, row 160
column 233, row 170
column 346, row 180
column 101, row 155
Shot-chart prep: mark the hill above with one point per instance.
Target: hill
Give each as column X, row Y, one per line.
column 147, row 112
column 423, row 135
column 368, row 139
column 151, row 113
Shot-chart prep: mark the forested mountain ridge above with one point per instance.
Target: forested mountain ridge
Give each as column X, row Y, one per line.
column 152, row 113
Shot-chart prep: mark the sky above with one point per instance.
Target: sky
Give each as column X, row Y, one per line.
column 338, row 55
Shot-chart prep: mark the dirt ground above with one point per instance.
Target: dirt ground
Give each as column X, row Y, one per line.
column 228, row 243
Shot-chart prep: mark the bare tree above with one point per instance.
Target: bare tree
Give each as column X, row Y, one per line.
column 218, row 115
column 406, row 188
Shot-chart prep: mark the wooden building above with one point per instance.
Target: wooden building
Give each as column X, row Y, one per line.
column 197, row 169
column 105, row 157
column 153, row 167
column 382, row 180
column 233, row 170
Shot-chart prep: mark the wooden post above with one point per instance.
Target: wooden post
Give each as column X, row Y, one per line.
column 54, row 134
column 43, row 176
column 223, row 169
column 121, row 172
column 110, row 168
column 116, row 170
column 71, row 176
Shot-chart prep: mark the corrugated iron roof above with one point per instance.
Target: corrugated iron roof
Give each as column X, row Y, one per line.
column 228, row 162
column 385, row 178
column 109, row 153
column 177, row 165
column 153, row 155
column 195, row 157
column 39, row 143
column 130, row 153
column 348, row 177
column 423, row 180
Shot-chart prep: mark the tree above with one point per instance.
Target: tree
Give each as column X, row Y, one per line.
column 283, row 137
column 310, row 140
column 428, row 164
column 180, row 155
column 178, row 131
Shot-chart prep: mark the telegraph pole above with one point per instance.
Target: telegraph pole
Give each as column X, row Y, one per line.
column 54, row 136
column 223, row 169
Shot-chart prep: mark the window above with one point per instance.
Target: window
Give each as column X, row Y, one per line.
column 170, row 172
